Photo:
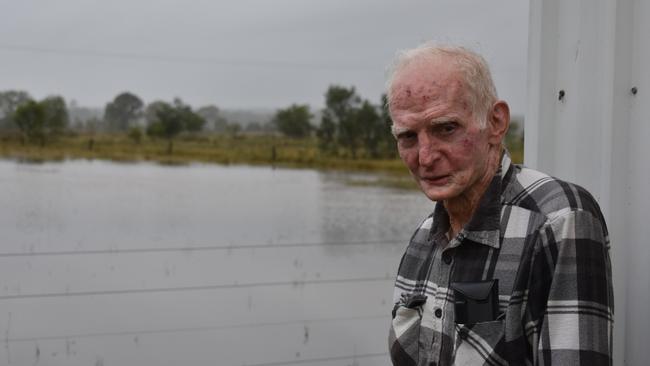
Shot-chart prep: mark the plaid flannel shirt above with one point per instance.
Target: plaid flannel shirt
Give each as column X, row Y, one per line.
column 546, row 242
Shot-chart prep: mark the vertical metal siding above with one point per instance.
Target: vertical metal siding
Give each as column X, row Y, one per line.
column 598, row 133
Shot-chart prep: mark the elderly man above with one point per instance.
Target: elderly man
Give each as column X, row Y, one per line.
column 512, row 266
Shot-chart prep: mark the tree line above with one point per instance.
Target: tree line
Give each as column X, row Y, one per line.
column 40, row 122
column 349, row 126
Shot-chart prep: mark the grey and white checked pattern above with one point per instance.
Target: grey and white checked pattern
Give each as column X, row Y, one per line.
column 546, row 242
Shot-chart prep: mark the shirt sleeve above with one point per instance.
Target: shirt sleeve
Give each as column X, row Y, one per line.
column 570, row 299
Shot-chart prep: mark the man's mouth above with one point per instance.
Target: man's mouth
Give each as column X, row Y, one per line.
column 436, row 180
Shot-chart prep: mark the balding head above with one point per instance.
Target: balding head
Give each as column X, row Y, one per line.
column 469, row 68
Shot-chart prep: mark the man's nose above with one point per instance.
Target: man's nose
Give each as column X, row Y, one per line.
column 428, row 152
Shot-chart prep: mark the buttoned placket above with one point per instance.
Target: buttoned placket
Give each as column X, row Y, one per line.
column 436, row 311
column 443, row 263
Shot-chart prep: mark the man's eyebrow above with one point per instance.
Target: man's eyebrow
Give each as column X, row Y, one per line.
column 398, row 130
column 442, row 120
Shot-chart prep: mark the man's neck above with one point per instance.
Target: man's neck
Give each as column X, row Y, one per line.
column 461, row 208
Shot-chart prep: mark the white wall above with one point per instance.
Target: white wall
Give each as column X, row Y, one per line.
column 598, row 135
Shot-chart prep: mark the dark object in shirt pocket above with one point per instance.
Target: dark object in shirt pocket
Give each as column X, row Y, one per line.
column 476, row 302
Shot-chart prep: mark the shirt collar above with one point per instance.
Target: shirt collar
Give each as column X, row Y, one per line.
column 484, row 226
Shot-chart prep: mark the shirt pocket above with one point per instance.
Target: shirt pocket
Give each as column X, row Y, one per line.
column 404, row 336
column 475, row 343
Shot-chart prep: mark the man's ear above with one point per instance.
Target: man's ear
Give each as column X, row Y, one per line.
column 498, row 122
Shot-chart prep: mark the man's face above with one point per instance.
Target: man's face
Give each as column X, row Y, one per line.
column 438, row 137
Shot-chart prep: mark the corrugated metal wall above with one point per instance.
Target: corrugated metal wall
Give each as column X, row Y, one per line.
column 588, row 121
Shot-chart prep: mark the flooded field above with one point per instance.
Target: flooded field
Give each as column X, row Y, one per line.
column 141, row 264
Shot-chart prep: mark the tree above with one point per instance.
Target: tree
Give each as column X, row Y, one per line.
column 212, row 116
column 515, row 135
column 41, row 121
column 192, row 122
column 123, row 111
column 56, row 116
column 30, row 119
column 10, row 100
column 135, row 134
column 151, row 112
column 209, row 112
column 352, row 123
column 388, row 143
column 515, row 139
column 326, row 134
column 173, row 119
column 169, row 124
column 338, row 122
column 370, row 125
column 293, row 121
column 233, row 129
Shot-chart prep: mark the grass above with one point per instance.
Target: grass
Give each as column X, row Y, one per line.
column 247, row 149
column 220, row 149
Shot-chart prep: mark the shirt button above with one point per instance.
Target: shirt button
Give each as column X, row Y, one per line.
column 438, row 313
column 446, row 257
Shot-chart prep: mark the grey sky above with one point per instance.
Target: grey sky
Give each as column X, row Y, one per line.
column 246, row 53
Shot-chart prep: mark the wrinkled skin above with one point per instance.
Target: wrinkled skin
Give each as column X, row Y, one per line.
column 439, row 137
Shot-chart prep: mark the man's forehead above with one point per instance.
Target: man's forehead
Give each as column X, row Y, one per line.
column 432, row 71
column 439, row 67
column 416, row 86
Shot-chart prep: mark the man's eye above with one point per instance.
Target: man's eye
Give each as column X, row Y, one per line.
column 447, row 128
column 406, row 136
column 407, row 140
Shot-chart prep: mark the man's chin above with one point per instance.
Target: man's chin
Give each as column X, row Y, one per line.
column 436, row 193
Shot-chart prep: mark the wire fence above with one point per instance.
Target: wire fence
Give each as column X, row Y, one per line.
column 186, row 249
column 44, row 337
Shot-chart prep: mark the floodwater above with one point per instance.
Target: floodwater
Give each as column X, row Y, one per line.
column 107, row 264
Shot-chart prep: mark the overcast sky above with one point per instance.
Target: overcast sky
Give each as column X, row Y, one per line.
column 245, row 53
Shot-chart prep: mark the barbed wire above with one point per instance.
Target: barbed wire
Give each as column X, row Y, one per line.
column 193, row 248
column 190, row 329
column 297, row 283
column 321, row 359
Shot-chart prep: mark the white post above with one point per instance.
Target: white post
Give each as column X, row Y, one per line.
column 584, row 124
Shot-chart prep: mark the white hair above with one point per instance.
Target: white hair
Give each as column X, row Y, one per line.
column 472, row 66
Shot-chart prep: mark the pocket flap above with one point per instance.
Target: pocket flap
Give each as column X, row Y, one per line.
column 477, row 291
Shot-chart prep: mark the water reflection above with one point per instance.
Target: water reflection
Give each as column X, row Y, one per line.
column 144, row 264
